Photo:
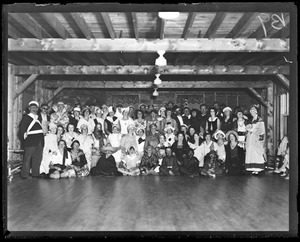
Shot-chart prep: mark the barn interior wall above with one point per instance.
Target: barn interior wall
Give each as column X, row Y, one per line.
column 135, row 97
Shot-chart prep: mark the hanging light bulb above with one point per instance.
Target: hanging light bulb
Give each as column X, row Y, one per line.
column 155, row 93
column 157, row 80
column 168, row 15
column 161, row 60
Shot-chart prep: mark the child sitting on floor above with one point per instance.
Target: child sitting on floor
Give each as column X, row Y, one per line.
column 129, row 165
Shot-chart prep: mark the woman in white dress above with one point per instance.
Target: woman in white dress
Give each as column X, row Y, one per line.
column 85, row 119
column 239, row 125
column 125, row 121
column 140, row 122
column 50, row 148
column 255, row 143
column 70, row 135
column 206, row 146
column 114, row 139
column 60, row 161
column 86, row 144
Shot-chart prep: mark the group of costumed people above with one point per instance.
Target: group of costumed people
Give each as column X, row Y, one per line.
column 114, row 141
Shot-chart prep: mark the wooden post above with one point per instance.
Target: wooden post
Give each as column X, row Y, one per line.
column 58, row 90
column 24, row 85
column 11, row 87
column 270, row 119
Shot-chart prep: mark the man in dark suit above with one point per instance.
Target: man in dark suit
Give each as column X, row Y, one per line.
column 31, row 133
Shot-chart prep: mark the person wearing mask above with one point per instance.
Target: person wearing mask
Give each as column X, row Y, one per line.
column 44, row 117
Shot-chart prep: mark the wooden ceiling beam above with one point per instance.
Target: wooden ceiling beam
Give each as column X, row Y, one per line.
column 284, row 80
column 258, row 96
column 55, row 24
column 188, row 24
column 217, row 21
column 162, row 23
column 28, row 23
column 108, row 25
column 149, row 84
column 13, row 32
column 146, row 45
column 152, row 69
column 135, row 25
column 81, row 23
column 242, row 25
column 58, row 90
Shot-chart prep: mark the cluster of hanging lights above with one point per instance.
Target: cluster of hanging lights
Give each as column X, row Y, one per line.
column 161, row 60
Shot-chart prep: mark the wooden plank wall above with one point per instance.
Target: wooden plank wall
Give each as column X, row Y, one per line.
column 14, row 116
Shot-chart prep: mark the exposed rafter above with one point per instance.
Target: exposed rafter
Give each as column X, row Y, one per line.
column 242, row 25
column 258, row 96
column 161, row 28
column 81, row 23
column 55, row 24
column 13, row 32
column 144, row 45
column 108, row 25
column 58, row 90
column 140, row 70
column 29, row 24
column 135, row 25
column 215, row 25
column 284, row 80
column 188, row 24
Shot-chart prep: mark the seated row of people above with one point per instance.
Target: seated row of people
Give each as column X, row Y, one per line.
column 164, row 160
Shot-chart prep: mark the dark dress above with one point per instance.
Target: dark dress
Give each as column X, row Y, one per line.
column 235, row 160
column 202, row 121
column 212, row 125
column 106, row 166
column 227, row 125
column 195, row 123
column 180, row 151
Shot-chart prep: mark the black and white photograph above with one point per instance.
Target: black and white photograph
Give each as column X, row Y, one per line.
column 150, row 120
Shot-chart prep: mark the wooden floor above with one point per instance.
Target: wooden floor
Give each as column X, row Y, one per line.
column 150, row 203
